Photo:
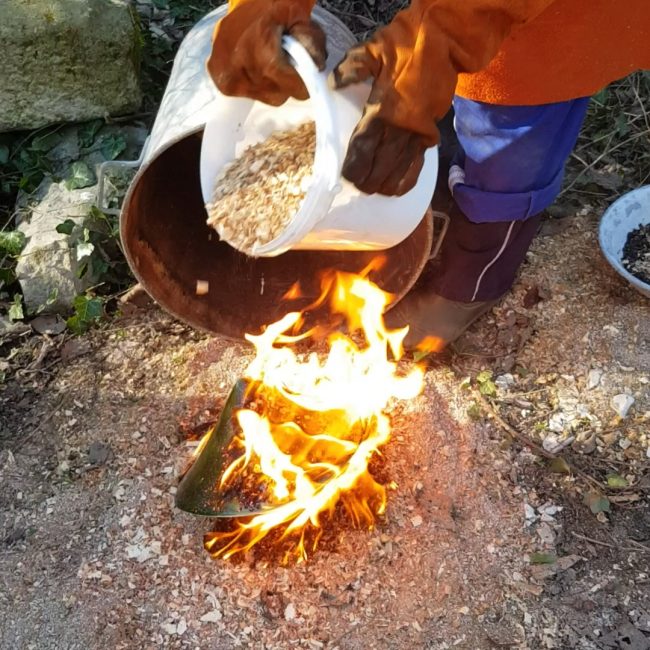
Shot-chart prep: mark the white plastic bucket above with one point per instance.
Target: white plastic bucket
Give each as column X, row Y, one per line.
column 334, row 215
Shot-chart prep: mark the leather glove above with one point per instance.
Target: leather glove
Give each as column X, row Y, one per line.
column 247, row 58
column 414, row 64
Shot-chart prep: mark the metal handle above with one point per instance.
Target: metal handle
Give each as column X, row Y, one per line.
column 116, row 164
column 441, row 237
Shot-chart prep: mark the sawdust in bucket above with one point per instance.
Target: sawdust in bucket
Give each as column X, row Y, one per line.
column 257, row 195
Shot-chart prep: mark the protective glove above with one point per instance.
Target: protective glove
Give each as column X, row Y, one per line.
column 247, row 58
column 414, row 64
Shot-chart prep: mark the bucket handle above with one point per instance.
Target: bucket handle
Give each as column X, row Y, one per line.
column 116, row 164
column 327, row 158
column 443, row 232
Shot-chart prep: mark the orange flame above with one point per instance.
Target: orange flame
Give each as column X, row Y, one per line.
column 294, row 292
column 316, row 422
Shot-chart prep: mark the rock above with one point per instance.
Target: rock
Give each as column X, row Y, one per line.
column 625, row 636
column 67, row 61
column 548, row 511
column 586, row 445
column 290, row 612
column 213, row 616
column 505, row 381
column 593, row 378
column 530, row 514
column 50, row 324
column 554, row 443
column 557, row 422
column 622, row 403
column 138, row 552
column 546, row 534
column 47, row 267
column 98, row 453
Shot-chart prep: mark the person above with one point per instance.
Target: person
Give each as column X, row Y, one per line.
column 519, row 74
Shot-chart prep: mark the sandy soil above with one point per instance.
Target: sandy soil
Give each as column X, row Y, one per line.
column 93, row 437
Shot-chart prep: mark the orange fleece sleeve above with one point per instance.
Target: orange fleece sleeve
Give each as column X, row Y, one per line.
column 416, row 59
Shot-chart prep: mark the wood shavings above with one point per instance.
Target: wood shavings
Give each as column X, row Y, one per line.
column 257, row 195
column 202, row 287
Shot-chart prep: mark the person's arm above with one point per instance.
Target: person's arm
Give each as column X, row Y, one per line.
column 247, row 59
column 415, row 62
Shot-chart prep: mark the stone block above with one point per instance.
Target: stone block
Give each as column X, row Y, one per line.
column 66, row 61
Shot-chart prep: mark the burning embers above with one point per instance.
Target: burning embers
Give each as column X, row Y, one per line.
column 297, row 435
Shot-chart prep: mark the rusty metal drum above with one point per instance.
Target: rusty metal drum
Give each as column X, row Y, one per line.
column 170, row 247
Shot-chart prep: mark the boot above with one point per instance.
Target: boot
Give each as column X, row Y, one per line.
column 434, row 322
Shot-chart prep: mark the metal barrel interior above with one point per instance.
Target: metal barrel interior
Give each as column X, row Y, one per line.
column 170, row 247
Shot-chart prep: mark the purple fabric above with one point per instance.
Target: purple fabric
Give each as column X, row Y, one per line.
column 513, row 157
column 479, row 261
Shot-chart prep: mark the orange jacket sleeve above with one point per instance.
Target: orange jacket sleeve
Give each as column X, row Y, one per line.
column 417, row 57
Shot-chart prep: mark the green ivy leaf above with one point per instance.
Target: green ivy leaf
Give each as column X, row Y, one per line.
column 113, row 146
column 616, row 481
column 75, row 325
column 621, row 125
column 559, row 466
column 66, row 227
column 485, row 384
column 16, row 310
column 420, row 355
column 87, row 311
column 4, row 154
column 7, row 277
column 46, row 142
column 80, row 176
column 82, row 269
column 99, row 266
column 12, row 241
column 488, row 388
column 474, row 412
column 88, row 133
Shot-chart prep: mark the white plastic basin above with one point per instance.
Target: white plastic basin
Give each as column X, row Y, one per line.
column 622, row 217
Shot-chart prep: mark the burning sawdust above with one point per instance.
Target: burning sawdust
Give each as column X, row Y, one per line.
column 257, row 195
column 310, row 426
column 461, row 573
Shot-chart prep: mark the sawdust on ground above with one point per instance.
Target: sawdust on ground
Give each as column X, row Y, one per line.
column 94, row 554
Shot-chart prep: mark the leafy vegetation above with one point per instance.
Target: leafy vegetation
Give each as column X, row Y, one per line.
column 27, row 158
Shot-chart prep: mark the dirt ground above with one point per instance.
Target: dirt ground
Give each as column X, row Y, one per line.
column 485, row 544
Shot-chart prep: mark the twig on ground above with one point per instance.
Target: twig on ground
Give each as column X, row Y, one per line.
column 492, row 412
column 636, row 546
column 523, row 438
column 640, row 546
column 35, row 366
column 591, row 540
column 42, row 423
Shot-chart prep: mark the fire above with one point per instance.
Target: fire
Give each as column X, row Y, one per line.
column 313, row 424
